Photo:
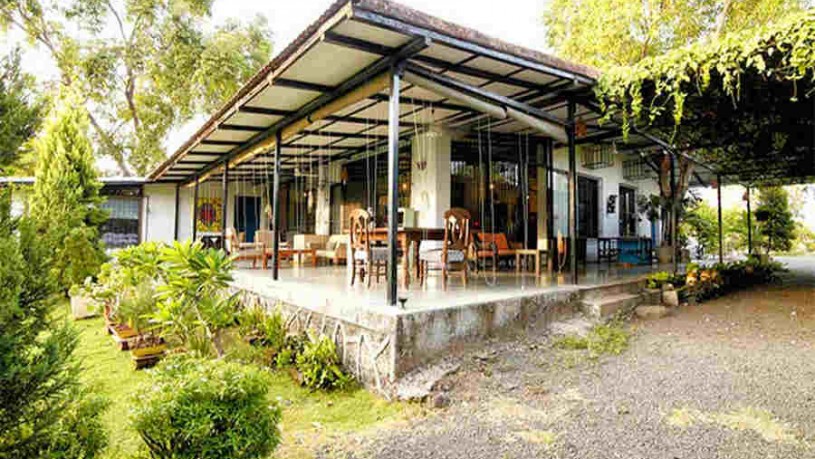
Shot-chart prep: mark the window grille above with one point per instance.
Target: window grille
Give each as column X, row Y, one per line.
column 598, row 156
column 636, row 169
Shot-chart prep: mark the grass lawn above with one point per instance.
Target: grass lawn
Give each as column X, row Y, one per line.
column 309, row 419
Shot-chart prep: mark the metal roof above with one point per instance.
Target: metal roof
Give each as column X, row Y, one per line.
column 321, row 91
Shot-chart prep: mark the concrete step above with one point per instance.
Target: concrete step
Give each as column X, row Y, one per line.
column 607, row 306
column 616, row 288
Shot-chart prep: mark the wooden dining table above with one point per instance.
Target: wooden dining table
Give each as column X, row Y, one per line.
column 405, row 237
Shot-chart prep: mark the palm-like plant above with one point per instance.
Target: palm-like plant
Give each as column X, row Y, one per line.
column 194, row 296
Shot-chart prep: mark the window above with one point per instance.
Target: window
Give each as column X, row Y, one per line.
column 122, row 227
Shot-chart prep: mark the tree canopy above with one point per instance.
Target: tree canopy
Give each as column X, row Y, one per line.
column 604, row 33
column 143, row 66
column 20, row 111
column 741, row 103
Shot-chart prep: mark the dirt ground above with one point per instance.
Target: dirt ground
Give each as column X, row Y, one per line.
column 731, row 378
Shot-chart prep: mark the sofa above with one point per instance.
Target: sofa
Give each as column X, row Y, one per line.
column 309, row 241
column 335, row 249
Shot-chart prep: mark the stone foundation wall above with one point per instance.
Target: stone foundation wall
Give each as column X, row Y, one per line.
column 379, row 348
column 427, row 335
column 366, row 352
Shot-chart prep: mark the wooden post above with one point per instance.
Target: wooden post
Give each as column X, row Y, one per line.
column 276, row 208
column 393, row 182
column 570, row 131
column 719, row 200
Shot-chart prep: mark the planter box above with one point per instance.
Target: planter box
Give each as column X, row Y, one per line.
column 82, row 307
column 144, row 357
column 157, row 349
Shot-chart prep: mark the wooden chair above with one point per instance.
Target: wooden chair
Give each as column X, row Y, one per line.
column 454, row 248
column 368, row 260
column 243, row 250
column 497, row 247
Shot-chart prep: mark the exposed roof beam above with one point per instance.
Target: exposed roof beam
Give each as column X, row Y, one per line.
column 485, row 94
column 411, row 48
column 302, row 85
column 371, row 17
column 221, row 142
column 375, row 48
column 241, row 127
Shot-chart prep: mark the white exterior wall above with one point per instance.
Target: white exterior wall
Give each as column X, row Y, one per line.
column 430, row 178
column 609, row 180
column 158, row 212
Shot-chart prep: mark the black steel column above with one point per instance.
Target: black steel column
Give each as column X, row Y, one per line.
column 177, row 206
column 749, row 225
column 393, row 181
column 719, row 199
column 570, row 131
column 674, row 229
column 195, row 211
column 524, row 176
column 276, row 208
column 551, row 239
column 225, row 199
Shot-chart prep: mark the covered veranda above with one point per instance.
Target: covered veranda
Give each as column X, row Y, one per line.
column 736, row 111
column 377, row 106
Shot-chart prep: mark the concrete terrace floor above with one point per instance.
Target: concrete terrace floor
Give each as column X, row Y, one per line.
column 731, row 378
column 328, row 287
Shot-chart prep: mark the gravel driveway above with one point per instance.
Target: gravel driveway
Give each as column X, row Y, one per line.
column 733, row 378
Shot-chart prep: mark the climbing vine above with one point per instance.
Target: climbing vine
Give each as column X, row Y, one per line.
column 656, row 90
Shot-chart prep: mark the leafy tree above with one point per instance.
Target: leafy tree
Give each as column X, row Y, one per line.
column 65, row 202
column 44, row 411
column 776, row 227
column 20, row 111
column 604, row 33
column 144, row 66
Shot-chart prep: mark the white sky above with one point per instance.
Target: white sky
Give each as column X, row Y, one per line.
column 515, row 21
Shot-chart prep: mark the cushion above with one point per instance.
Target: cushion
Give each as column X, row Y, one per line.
column 377, row 254
column 499, row 239
column 434, row 256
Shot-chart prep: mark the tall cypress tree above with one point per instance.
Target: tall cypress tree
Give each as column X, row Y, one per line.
column 776, row 226
column 44, row 410
column 66, row 204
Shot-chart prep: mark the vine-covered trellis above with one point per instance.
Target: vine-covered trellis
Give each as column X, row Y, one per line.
column 742, row 105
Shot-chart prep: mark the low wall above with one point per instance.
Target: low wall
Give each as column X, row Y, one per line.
column 378, row 348
column 425, row 335
column 367, row 352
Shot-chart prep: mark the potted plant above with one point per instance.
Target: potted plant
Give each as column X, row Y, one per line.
column 136, row 306
column 651, row 208
column 83, row 304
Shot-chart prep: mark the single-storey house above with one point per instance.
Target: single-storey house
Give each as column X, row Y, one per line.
column 381, row 108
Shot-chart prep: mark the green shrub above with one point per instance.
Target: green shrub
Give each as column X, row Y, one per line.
column 293, row 346
column 262, row 328
column 319, row 365
column 659, row 279
column 706, row 282
column 206, row 409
